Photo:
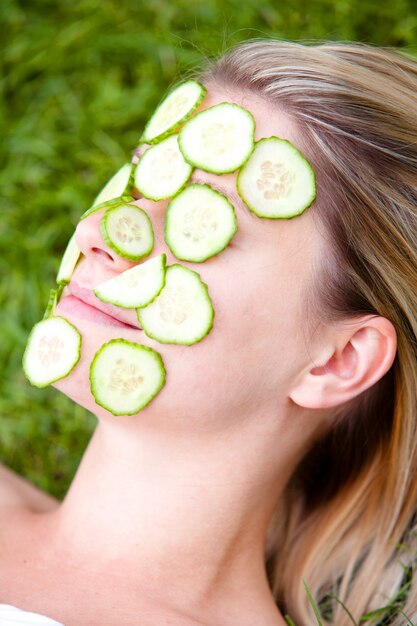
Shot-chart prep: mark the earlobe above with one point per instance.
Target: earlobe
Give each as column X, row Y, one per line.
column 359, row 357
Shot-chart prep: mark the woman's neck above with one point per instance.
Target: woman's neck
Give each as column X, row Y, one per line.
column 184, row 520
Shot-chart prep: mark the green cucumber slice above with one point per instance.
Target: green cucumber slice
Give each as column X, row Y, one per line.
column 182, row 313
column 119, row 185
column 69, row 261
column 162, row 170
column 199, row 223
column 108, row 204
column 219, row 139
column 118, row 188
column 53, row 350
column 54, row 298
column 172, row 112
column 277, row 181
column 125, row 376
column 52, row 302
column 127, row 229
column 135, row 287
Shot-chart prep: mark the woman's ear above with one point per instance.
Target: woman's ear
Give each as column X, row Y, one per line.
column 353, row 359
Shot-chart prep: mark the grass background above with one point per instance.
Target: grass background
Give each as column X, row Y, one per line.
column 78, row 80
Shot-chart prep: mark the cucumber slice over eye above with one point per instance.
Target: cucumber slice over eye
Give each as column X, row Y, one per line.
column 69, row 261
column 182, row 313
column 118, row 188
column 199, row 223
column 277, row 181
column 128, row 231
column 219, row 139
column 173, row 111
column 125, row 376
column 162, row 170
column 135, row 287
column 53, row 350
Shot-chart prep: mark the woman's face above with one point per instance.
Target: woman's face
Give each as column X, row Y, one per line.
column 245, row 365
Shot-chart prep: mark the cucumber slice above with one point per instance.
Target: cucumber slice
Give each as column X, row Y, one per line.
column 128, row 231
column 54, row 298
column 119, row 185
column 69, row 261
column 277, row 181
column 136, row 287
column 199, row 223
column 108, row 204
column 172, row 112
column 118, row 188
column 182, row 313
column 219, row 139
column 52, row 302
column 125, row 376
column 53, row 350
column 162, row 170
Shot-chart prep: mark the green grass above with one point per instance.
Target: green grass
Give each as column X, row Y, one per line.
column 78, row 80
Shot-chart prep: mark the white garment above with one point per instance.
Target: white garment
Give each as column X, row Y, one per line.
column 12, row 616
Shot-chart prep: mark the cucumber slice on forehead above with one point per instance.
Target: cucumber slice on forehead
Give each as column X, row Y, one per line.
column 53, row 350
column 219, row 139
column 277, row 181
column 125, row 376
column 162, row 170
column 135, row 287
column 173, row 111
column 182, row 312
column 128, row 231
column 69, row 261
column 199, row 223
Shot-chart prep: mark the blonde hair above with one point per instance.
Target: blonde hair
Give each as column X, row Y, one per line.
column 353, row 498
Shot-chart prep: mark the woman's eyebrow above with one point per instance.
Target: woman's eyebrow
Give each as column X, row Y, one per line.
column 234, row 197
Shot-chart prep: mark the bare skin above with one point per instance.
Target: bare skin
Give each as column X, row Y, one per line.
column 166, row 519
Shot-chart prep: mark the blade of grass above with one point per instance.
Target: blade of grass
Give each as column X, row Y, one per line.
column 313, row 604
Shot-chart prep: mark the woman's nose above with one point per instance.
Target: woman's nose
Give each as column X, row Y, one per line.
column 92, row 245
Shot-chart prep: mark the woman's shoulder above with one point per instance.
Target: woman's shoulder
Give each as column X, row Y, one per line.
column 17, row 492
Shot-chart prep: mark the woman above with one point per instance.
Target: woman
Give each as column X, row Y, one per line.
column 283, row 446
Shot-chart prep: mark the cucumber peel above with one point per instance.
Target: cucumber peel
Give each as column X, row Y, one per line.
column 137, row 286
column 52, row 351
column 182, row 313
column 126, row 376
column 118, row 188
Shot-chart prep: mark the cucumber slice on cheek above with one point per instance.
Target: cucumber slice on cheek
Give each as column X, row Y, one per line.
column 182, row 313
column 53, row 350
column 125, row 376
column 135, row 287
column 128, row 231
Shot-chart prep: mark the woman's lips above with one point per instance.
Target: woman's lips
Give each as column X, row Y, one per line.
column 74, row 306
column 120, row 314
